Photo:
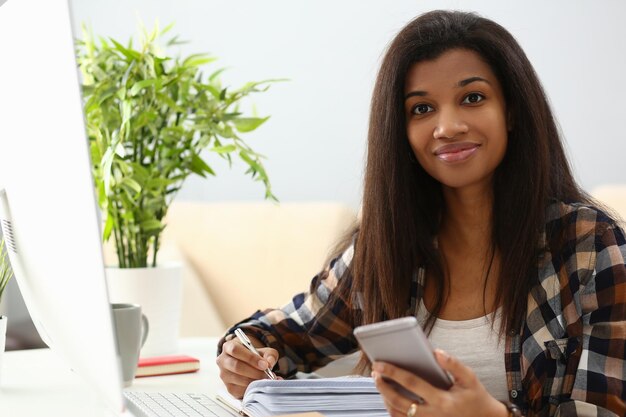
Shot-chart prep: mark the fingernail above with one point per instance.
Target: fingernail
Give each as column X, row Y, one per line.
column 263, row 365
column 443, row 354
column 375, row 375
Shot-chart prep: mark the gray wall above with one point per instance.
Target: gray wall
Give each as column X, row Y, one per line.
column 330, row 50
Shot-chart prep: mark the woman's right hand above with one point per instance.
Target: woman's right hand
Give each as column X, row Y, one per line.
column 239, row 367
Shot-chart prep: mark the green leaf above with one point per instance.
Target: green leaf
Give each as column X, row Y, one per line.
column 131, row 184
column 155, row 32
column 119, row 150
column 140, row 85
column 225, row 131
column 175, row 41
column 216, row 73
column 231, row 116
column 167, row 29
column 128, row 53
column 108, row 228
column 198, row 166
column 122, row 86
column 248, row 124
column 105, row 95
column 103, row 42
column 214, row 91
column 252, row 163
column 169, row 102
column 105, row 166
column 150, row 225
column 196, row 60
column 158, row 183
column 224, row 149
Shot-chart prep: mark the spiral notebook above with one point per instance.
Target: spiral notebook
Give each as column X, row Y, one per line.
column 332, row 397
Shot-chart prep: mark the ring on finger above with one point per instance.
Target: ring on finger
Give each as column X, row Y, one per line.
column 412, row 411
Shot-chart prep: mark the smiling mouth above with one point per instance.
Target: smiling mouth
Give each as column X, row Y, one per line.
column 456, row 152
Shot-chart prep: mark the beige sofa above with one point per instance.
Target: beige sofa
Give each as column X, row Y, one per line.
column 240, row 257
column 614, row 196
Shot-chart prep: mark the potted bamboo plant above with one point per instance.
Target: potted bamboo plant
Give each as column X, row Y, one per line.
column 151, row 119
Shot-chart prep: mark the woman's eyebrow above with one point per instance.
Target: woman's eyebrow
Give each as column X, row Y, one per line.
column 470, row 80
column 462, row 83
column 415, row 93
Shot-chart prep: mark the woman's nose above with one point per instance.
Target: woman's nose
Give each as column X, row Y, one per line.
column 449, row 124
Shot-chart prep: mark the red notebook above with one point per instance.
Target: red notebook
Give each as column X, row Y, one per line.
column 167, row 365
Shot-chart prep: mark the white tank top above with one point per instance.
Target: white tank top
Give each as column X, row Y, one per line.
column 475, row 344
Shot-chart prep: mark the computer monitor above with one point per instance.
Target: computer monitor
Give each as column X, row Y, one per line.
column 50, row 218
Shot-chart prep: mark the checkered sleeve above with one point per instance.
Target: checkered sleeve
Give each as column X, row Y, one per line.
column 600, row 380
column 314, row 328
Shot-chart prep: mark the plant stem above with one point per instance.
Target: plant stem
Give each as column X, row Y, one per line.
column 121, row 261
column 155, row 248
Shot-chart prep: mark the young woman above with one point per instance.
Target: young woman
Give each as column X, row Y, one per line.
column 473, row 223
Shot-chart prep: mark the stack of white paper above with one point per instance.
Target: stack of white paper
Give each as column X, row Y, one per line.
column 333, row 397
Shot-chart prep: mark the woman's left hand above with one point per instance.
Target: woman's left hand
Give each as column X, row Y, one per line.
column 467, row 397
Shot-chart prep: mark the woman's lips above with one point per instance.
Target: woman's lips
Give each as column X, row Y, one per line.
column 456, row 152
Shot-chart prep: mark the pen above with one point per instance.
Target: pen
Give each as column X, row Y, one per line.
column 248, row 344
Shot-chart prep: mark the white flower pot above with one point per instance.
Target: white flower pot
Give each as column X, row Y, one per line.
column 159, row 293
column 3, row 338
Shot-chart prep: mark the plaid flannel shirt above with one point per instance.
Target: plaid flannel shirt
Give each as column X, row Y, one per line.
column 569, row 359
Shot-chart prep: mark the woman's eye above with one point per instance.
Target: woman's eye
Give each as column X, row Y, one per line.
column 473, row 98
column 422, row 109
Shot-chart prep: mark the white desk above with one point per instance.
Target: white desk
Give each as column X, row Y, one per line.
column 35, row 383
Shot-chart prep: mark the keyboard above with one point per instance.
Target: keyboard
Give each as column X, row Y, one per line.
column 159, row 404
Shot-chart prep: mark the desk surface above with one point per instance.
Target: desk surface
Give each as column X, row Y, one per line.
column 36, row 382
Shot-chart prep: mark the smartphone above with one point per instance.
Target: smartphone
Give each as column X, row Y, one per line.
column 402, row 342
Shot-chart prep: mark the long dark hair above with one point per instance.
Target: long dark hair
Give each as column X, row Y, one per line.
column 402, row 204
